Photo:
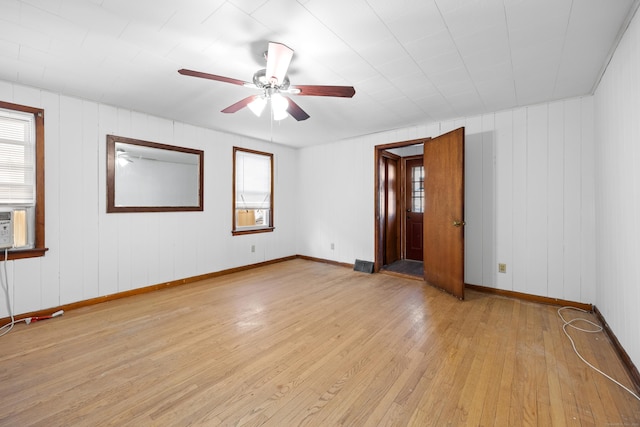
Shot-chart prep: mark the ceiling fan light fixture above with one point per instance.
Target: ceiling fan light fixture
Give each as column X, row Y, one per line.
column 280, row 115
column 279, row 106
column 257, row 105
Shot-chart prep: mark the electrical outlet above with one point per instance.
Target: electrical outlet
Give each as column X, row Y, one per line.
column 253, row 248
column 502, row 268
column 333, row 246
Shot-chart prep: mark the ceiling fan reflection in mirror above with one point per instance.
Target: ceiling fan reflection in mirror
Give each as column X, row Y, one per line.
column 274, row 86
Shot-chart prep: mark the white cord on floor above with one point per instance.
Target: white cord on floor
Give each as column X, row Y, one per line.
column 5, row 286
column 597, row 329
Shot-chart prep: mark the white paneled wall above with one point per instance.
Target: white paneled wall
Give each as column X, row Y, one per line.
column 92, row 253
column 335, row 188
column 617, row 183
column 526, row 202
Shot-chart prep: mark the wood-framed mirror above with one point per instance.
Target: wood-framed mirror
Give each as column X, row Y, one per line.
column 145, row 176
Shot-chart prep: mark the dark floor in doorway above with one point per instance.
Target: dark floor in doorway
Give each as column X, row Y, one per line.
column 406, row 266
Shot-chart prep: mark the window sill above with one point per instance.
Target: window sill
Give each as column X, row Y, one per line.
column 252, row 231
column 25, row 253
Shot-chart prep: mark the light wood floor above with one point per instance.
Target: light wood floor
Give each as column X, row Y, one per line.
column 305, row 343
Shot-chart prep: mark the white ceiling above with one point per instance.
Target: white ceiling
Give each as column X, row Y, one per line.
column 410, row 61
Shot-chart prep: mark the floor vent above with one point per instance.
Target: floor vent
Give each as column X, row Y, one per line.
column 363, row 266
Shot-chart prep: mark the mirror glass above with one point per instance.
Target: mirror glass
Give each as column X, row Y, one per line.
column 145, row 176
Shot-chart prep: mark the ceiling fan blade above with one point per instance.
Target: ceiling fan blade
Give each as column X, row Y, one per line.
column 278, row 60
column 312, row 90
column 295, row 111
column 240, row 104
column 202, row 75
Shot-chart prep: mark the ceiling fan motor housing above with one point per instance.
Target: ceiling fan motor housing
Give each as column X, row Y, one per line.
column 260, row 80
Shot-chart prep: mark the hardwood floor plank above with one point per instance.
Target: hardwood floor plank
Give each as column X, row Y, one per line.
column 461, row 381
column 385, row 406
column 307, row 343
column 529, row 366
column 557, row 414
column 565, row 382
column 486, row 396
column 507, row 391
column 482, row 405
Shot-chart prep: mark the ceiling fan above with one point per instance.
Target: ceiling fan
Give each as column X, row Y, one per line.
column 275, row 87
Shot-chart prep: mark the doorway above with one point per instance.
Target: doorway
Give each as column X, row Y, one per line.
column 436, row 189
column 400, row 201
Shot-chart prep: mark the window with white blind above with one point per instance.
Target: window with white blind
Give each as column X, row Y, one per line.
column 252, row 191
column 21, row 139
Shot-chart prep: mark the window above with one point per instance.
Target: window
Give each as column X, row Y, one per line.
column 252, row 191
column 417, row 189
column 22, row 176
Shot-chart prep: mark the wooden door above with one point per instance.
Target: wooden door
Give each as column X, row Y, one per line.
column 414, row 204
column 392, row 232
column 392, row 202
column 444, row 212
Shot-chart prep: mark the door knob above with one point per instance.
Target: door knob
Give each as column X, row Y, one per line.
column 458, row 223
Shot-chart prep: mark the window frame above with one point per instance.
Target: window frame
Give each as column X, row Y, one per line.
column 39, row 248
column 263, row 229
